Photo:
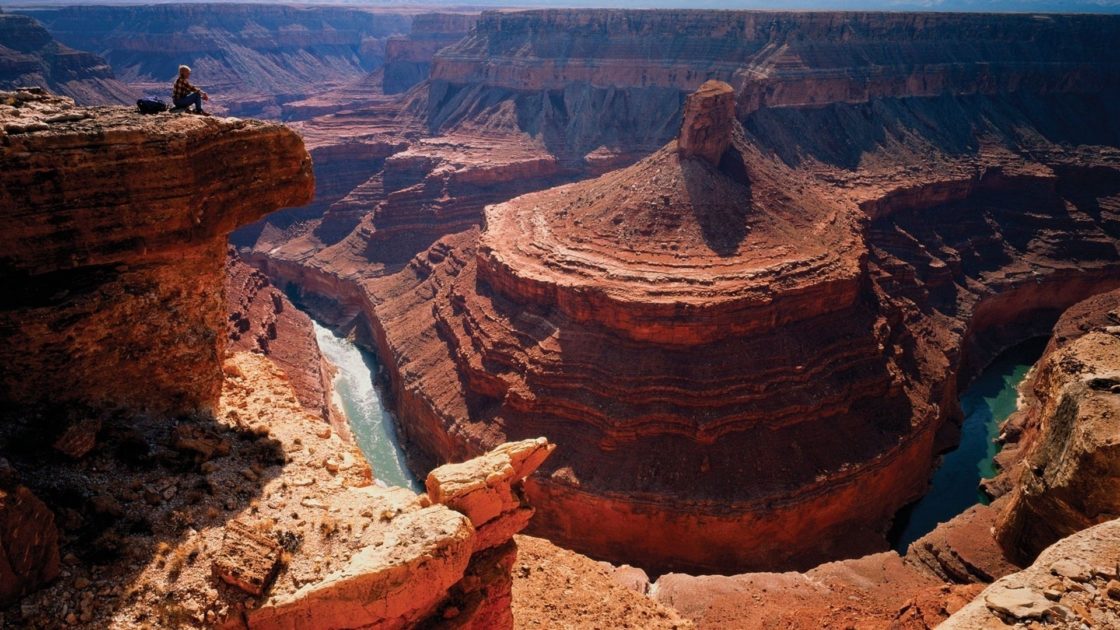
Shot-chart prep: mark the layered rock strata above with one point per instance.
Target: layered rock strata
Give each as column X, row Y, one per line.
column 625, row 317
column 531, row 99
column 931, row 215
column 30, row 57
column 117, row 217
column 944, row 569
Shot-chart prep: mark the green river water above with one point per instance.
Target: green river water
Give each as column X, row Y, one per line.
column 358, row 398
column 986, row 403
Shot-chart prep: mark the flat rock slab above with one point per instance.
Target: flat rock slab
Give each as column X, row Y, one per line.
column 1019, row 603
column 249, row 560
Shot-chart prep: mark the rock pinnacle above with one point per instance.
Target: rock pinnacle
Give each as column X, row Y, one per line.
column 707, row 121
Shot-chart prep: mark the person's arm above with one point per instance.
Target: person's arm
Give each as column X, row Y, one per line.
column 200, row 92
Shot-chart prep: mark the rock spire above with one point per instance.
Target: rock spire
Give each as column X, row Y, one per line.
column 706, row 123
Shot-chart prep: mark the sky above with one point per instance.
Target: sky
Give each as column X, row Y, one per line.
column 1048, row 6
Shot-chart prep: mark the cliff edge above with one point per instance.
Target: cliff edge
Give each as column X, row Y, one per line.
column 119, row 218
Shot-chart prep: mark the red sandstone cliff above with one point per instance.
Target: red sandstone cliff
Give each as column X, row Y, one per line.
column 166, row 503
column 105, row 233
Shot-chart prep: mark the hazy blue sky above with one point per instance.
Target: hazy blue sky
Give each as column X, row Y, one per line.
column 1079, row 6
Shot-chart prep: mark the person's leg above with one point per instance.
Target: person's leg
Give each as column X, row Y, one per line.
column 194, row 98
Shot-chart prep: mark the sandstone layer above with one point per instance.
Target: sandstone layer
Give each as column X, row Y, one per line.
column 30, row 57
column 116, row 217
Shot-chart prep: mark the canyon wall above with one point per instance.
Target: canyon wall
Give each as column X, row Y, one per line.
column 30, row 57
column 1061, row 465
column 408, row 59
column 250, row 58
column 1046, row 495
column 532, row 99
column 117, row 217
column 752, row 363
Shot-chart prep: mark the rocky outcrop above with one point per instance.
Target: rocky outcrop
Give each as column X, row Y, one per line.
column 118, row 217
column 440, row 559
column 1066, row 479
column 707, row 122
column 251, row 58
column 1073, row 583
column 261, row 319
column 30, row 57
column 28, row 542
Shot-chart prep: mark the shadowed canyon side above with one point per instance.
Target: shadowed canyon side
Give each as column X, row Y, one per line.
column 262, row 320
column 184, row 479
column 30, row 57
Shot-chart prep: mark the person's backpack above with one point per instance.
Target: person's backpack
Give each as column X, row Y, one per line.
column 151, row 105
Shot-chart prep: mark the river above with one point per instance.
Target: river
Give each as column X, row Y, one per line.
column 359, row 399
column 986, row 403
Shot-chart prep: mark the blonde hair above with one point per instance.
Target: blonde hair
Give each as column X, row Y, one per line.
column 183, row 70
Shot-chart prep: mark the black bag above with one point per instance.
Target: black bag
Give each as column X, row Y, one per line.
column 151, row 105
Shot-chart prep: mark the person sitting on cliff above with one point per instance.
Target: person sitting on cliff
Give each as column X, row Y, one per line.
column 184, row 94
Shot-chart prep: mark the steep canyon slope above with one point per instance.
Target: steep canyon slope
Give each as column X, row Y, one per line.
column 30, row 57
column 728, row 353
